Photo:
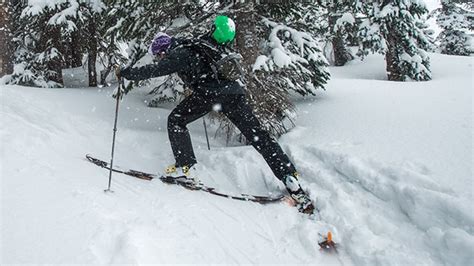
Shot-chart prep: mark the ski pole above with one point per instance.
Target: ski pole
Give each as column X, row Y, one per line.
column 135, row 56
column 119, row 92
column 205, row 131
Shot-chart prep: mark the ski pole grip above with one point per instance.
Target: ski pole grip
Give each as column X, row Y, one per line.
column 117, row 70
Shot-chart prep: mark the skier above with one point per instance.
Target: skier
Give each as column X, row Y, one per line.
column 190, row 59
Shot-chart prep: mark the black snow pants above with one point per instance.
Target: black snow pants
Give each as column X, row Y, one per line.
column 239, row 112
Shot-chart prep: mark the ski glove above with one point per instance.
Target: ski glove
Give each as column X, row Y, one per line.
column 121, row 89
column 117, row 70
column 123, row 72
column 119, row 92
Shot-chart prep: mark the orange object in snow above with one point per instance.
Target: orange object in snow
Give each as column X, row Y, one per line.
column 328, row 245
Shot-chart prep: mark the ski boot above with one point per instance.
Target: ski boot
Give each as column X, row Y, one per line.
column 303, row 202
column 301, row 199
column 174, row 171
column 182, row 175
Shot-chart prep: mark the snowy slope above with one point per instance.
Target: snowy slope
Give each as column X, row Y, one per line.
column 389, row 165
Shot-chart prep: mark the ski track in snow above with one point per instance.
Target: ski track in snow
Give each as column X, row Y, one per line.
column 397, row 210
column 54, row 209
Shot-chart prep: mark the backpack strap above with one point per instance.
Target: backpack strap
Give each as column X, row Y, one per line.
column 237, row 58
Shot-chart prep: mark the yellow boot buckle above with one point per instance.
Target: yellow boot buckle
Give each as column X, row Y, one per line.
column 170, row 169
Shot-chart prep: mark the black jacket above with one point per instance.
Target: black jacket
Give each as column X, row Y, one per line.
column 192, row 67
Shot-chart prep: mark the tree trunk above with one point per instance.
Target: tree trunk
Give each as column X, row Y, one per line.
column 341, row 53
column 56, row 65
column 92, row 52
column 245, row 42
column 394, row 72
column 5, row 46
column 269, row 103
column 75, row 51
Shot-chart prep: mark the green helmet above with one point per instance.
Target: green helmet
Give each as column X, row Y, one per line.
column 224, row 29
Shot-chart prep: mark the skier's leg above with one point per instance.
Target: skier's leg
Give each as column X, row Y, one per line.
column 190, row 109
column 240, row 113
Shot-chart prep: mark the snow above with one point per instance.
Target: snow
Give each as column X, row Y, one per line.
column 280, row 58
column 389, row 165
column 62, row 16
column 346, row 18
column 289, row 48
column 261, row 62
column 68, row 9
column 432, row 4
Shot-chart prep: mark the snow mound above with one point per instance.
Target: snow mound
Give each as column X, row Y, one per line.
column 388, row 211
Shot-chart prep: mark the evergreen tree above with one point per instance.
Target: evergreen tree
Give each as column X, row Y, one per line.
column 340, row 27
column 336, row 22
column 293, row 59
column 455, row 21
column 340, row 21
column 392, row 29
column 6, row 48
column 37, row 57
column 278, row 60
column 292, row 53
column 53, row 40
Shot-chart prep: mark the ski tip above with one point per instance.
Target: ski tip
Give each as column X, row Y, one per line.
column 328, row 245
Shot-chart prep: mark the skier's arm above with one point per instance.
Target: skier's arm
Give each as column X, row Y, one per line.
column 178, row 60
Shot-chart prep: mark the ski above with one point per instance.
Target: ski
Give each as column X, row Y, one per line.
column 188, row 183
column 326, row 245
